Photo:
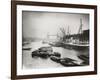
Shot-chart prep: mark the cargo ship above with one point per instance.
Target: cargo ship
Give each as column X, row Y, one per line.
column 71, row 41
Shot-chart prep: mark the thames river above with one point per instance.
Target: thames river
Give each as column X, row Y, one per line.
column 36, row 62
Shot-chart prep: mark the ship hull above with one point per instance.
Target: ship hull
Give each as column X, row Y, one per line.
column 75, row 46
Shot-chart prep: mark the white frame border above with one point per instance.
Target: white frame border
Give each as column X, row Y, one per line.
column 21, row 71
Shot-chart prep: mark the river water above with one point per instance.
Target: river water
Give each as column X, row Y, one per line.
column 28, row 62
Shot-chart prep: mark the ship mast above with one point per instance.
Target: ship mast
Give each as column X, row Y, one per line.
column 68, row 32
column 80, row 28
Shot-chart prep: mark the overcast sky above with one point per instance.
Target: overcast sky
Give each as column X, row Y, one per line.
column 39, row 24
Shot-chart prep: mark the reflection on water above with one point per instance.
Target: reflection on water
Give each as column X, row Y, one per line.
column 28, row 62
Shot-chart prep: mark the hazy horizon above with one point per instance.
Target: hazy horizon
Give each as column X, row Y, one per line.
column 39, row 24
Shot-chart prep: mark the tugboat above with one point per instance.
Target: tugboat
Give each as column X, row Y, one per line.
column 55, row 58
column 25, row 48
column 85, row 59
column 56, row 54
column 43, row 52
column 68, row 62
